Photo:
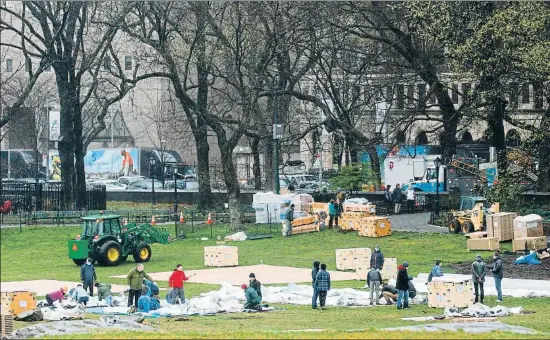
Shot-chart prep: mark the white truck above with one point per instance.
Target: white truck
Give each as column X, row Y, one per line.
column 403, row 170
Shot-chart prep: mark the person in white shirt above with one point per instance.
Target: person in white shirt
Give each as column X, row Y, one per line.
column 410, row 199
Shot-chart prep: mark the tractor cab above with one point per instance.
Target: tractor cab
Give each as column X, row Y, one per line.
column 469, row 202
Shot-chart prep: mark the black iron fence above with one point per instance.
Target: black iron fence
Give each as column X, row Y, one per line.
column 32, row 197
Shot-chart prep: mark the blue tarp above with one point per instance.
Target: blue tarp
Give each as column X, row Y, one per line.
column 528, row 259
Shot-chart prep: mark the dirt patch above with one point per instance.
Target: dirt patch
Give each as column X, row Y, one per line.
column 511, row 270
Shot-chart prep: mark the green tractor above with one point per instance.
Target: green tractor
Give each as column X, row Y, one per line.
column 104, row 240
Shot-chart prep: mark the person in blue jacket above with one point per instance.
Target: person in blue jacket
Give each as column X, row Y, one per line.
column 144, row 301
column 152, row 286
column 436, row 271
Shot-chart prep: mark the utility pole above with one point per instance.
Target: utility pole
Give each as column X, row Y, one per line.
column 277, row 134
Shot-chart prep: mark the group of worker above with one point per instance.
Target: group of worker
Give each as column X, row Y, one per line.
column 335, row 210
column 394, row 199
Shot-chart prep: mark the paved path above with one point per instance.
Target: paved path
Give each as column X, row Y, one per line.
column 414, row 223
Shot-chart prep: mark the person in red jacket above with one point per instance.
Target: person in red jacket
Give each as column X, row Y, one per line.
column 176, row 281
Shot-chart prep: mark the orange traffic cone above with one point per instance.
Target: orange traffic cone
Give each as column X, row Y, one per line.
column 153, row 222
column 209, row 219
column 182, row 220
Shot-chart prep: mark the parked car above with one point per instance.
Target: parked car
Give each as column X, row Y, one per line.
column 127, row 180
column 182, row 184
column 145, row 185
column 110, row 184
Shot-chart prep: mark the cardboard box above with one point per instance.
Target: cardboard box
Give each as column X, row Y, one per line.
column 501, row 226
column 351, row 258
column 15, row 302
column 303, row 221
column 364, row 208
column 532, row 243
column 308, row 228
column 442, row 294
column 351, row 220
column 389, row 270
column 477, row 234
column 375, row 226
column 528, row 226
column 221, row 256
column 316, row 207
column 486, row 243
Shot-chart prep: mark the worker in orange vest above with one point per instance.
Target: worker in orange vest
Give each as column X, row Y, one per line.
column 127, row 163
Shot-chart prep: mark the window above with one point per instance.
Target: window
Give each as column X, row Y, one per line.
column 128, row 63
column 410, row 95
column 28, row 65
column 389, row 93
column 454, row 94
column 466, row 89
column 537, row 89
column 514, row 93
column 107, row 62
column 422, row 138
column 525, row 94
column 421, row 92
column 9, row 65
column 432, row 98
column 400, row 89
column 356, row 92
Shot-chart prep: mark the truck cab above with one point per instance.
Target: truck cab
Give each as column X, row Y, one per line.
column 429, row 180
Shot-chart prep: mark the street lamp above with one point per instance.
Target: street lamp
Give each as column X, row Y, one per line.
column 437, row 163
column 152, row 166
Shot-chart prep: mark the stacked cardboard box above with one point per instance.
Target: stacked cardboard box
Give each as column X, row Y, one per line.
column 303, row 221
column 351, row 258
column 308, row 228
column 221, row 256
column 17, row 301
column 485, row 243
column 529, row 243
column 352, row 220
column 365, row 208
column 375, row 226
column 501, row 226
column 443, row 293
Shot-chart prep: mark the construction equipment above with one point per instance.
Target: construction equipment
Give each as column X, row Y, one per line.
column 471, row 216
column 104, row 240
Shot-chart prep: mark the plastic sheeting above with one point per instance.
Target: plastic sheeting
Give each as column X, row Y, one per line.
column 240, row 236
column 481, row 311
column 472, row 328
column 528, row 259
column 72, row 327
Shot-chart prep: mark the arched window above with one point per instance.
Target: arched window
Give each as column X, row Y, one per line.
column 421, row 138
column 401, row 138
column 513, row 138
column 467, row 137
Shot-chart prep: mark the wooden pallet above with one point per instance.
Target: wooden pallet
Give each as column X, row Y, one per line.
column 7, row 325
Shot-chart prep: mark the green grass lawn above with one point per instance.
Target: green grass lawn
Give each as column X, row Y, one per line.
column 41, row 253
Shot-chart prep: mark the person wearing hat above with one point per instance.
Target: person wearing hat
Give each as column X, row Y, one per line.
column 402, row 285
column 57, row 295
column 377, row 259
column 479, row 269
column 80, row 295
column 289, row 217
column 252, row 298
column 436, row 271
column 255, row 284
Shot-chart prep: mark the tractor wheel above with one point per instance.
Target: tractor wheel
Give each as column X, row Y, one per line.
column 142, row 253
column 454, row 226
column 467, row 227
column 79, row 262
column 110, row 253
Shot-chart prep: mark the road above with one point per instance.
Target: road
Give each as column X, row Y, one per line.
column 414, row 223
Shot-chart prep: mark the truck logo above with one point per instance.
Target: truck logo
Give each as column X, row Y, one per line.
column 391, row 165
column 75, row 248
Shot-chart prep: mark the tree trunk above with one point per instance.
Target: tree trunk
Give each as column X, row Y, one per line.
column 232, row 184
column 256, row 167
column 495, row 122
column 351, row 144
column 203, row 166
column 451, row 118
column 66, row 145
column 544, row 167
column 375, row 166
column 79, row 153
column 268, row 164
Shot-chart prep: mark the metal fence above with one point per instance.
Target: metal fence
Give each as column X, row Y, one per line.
column 32, row 197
